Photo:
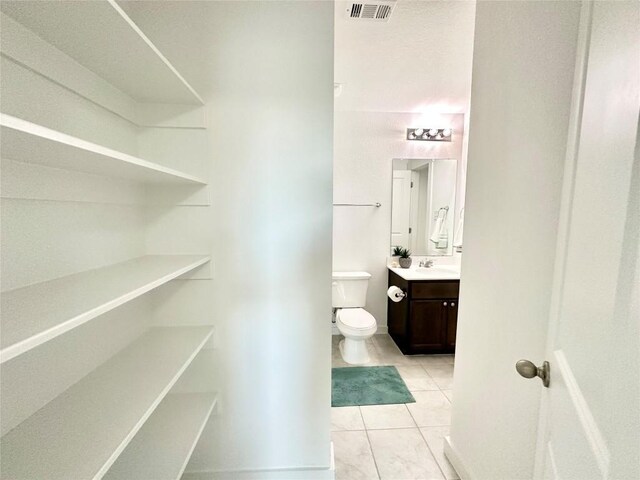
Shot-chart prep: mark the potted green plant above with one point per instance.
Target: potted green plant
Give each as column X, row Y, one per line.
column 397, row 250
column 405, row 258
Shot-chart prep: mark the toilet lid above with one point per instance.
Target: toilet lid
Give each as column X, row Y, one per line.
column 356, row 318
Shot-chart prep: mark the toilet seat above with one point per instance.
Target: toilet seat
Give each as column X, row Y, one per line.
column 355, row 318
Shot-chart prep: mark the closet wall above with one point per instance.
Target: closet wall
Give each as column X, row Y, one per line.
column 106, row 370
column 247, row 176
column 265, row 69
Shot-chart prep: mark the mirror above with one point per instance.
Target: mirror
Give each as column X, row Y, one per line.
column 423, row 205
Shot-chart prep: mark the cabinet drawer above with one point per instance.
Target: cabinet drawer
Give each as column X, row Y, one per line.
column 439, row 289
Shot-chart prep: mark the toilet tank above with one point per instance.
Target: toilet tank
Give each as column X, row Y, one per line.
column 349, row 289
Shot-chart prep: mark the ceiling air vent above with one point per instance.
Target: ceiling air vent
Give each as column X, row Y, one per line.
column 375, row 11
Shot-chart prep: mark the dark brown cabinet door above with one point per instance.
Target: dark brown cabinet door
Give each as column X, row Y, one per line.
column 425, row 321
column 427, row 326
column 452, row 324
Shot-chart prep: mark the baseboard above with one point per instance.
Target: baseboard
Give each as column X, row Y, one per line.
column 269, row 474
column 283, row 474
column 456, row 461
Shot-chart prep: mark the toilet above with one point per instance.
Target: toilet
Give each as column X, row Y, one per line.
column 349, row 294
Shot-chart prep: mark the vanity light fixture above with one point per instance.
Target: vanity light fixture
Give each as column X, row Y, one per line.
column 430, row 134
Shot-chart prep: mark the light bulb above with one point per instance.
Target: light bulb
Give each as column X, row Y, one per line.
column 446, row 132
column 433, row 132
column 418, row 131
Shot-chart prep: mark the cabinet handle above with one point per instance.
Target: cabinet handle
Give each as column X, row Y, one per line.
column 444, row 303
column 453, row 304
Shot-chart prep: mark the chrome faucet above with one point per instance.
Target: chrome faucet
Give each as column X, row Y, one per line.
column 426, row 263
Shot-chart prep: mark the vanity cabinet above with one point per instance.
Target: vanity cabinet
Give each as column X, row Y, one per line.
column 425, row 321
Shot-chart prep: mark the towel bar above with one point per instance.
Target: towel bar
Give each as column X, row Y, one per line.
column 377, row 204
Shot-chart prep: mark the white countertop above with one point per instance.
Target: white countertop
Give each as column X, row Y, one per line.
column 437, row 272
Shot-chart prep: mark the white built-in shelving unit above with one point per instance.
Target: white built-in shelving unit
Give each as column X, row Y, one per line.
column 82, row 432
column 173, row 430
column 30, row 143
column 94, row 338
column 38, row 313
column 100, row 36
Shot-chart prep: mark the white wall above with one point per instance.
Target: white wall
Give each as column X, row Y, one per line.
column 414, row 70
column 266, row 72
column 522, row 81
column 364, row 145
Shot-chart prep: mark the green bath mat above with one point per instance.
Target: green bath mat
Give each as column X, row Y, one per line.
column 352, row 386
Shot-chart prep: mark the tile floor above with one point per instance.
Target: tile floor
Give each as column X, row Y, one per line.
column 396, row 442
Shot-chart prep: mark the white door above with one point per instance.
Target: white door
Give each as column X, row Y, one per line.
column 400, row 207
column 590, row 415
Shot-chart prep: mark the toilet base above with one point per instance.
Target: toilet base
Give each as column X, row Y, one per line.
column 354, row 352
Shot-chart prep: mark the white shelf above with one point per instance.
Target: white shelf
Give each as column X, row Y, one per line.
column 38, row 313
column 27, row 142
column 80, row 433
column 163, row 446
column 101, row 36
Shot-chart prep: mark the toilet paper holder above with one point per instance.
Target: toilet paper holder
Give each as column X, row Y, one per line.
column 396, row 294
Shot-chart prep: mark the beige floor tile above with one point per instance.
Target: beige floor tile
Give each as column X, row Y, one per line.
column 441, row 374
column 391, row 439
column 353, row 456
column 374, row 357
column 386, row 416
column 391, row 355
column 383, row 340
column 416, row 378
column 435, row 440
column 448, row 394
column 402, row 454
column 346, row 418
column 337, row 361
column 432, row 409
column 390, row 349
column 435, row 360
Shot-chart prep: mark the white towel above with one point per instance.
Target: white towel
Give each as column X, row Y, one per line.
column 440, row 234
column 435, row 235
column 443, row 238
column 457, row 239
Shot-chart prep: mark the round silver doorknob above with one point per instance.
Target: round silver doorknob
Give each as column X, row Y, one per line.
column 444, row 303
column 528, row 369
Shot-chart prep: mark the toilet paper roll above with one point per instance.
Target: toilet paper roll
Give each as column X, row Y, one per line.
column 395, row 294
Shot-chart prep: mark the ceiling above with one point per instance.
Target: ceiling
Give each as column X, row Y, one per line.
column 418, row 61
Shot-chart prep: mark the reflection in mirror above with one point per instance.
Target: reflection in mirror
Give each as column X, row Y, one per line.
column 423, row 205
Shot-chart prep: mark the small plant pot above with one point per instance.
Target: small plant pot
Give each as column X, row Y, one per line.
column 405, row 262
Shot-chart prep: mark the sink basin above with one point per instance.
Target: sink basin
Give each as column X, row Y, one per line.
column 438, row 269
